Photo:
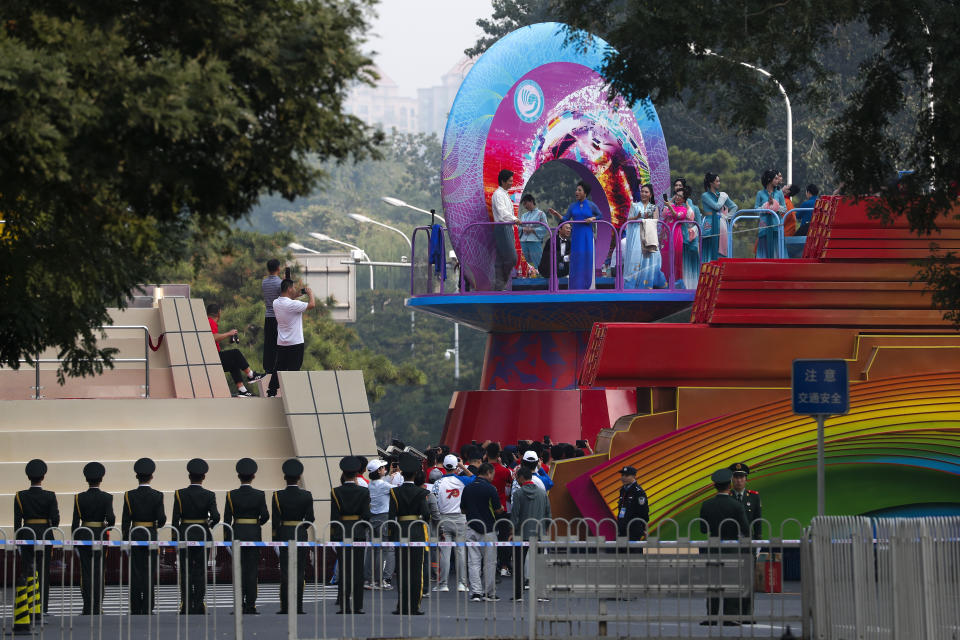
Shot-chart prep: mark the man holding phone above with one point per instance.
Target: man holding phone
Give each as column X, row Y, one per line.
column 289, row 313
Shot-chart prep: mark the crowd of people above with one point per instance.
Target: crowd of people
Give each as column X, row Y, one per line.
column 486, row 494
column 520, row 240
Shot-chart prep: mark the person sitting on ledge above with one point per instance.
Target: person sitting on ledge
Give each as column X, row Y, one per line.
column 231, row 360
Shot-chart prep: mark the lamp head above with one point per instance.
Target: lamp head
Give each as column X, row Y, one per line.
column 322, row 237
column 359, row 217
column 394, row 202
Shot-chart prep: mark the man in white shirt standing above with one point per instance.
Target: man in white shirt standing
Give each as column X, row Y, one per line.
column 503, row 211
column 448, row 491
column 289, row 313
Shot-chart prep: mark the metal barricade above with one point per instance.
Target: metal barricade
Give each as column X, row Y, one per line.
column 792, row 246
column 584, row 581
column 762, row 217
column 643, row 268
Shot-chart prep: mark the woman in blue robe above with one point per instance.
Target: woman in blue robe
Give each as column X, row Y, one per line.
column 771, row 198
column 642, row 267
column 582, row 240
column 718, row 210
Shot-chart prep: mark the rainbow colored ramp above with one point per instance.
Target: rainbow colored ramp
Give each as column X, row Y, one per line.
column 717, row 390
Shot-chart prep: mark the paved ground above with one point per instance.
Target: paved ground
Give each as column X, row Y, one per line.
column 448, row 615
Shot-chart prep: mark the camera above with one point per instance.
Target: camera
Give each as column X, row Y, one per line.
column 286, row 274
column 581, row 444
column 235, row 338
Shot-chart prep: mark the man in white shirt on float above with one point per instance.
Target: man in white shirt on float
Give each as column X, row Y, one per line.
column 289, row 313
column 503, row 211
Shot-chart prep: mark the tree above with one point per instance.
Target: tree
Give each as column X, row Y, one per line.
column 907, row 79
column 127, row 127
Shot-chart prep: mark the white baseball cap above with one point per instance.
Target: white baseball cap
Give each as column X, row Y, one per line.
column 450, row 461
column 531, row 456
column 375, row 465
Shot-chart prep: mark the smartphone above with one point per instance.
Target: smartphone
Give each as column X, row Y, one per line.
column 581, row 444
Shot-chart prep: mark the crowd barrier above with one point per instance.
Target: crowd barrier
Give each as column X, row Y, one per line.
column 582, row 581
column 840, row 577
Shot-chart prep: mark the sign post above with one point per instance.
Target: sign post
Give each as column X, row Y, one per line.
column 820, row 389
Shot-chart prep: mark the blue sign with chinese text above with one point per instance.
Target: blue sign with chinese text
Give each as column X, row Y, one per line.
column 820, row 387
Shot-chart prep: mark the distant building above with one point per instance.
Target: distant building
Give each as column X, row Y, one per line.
column 433, row 104
column 383, row 105
column 427, row 113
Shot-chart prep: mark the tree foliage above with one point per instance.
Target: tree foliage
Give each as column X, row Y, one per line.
column 127, row 126
column 897, row 111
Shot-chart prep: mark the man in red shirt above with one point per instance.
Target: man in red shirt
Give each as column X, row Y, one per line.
column 231, row 360
column 501, row 478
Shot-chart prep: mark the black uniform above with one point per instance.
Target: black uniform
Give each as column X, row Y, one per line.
column 290, row 507
column 92, row 515
column 350, row 520
column 246, row 511
column 633, row 512
column 194, row 512
column 35, row 510
column 724, row 518
column 143, row 509
column 408, row 504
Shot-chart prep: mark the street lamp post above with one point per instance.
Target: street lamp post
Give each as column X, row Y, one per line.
column 786, row 99
column 322, row 237
column 359, row 217
column 397, row 202
column 302, row 249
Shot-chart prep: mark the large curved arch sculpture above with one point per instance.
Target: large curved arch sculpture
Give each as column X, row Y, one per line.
column 532, row 99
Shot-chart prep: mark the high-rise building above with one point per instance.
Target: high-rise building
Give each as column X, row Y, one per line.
column 433, row 103
column 383, row 105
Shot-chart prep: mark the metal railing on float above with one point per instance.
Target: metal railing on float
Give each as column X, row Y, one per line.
column 678, row 268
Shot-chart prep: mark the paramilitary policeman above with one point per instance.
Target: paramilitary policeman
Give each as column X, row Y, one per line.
column 92, row 515
column 408, row 508
column 194, row 513
column 633, row 510
column 749, row 498
column 722, row 516
column 350, row 520
column 291, row 507
column 246, row 512
column 143, row 514
column 34, row 512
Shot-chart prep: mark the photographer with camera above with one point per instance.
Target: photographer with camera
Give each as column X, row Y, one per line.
column 231, row 360
column 289, row 313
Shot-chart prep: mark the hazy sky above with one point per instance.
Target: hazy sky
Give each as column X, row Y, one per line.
column 417, row 41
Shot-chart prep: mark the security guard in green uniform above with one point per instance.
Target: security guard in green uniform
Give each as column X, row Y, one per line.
column 291, row 507
column 194, row 513
column 750, row 500
column 633, row 510
column 34, row 512
column 92, row 515
column 246, row 511
column 350, row 520
column 408, row 508
column 723, row 517
column 143, row 513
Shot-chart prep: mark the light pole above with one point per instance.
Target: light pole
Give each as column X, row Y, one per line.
column 786, row 99
column 322, row 237
column 299, row 247
column 359, row 217
column 397, row 202
column 455, row 352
